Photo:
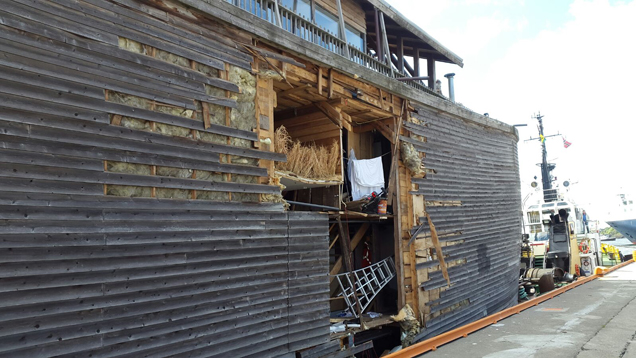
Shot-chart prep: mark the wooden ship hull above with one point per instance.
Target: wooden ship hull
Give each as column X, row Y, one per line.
column 144, row 201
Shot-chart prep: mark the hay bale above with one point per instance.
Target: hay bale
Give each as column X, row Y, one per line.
column 307, row 161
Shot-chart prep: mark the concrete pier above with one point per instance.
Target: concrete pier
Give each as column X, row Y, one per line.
column 596, row 319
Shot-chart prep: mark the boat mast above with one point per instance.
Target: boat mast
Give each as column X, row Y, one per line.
column 549, row 195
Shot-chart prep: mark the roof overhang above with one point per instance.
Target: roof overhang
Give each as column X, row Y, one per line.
column 427, row 45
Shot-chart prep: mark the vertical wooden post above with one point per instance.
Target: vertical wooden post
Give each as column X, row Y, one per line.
column 416, row 63
column 400, row 54
column 277, row 11
column 378, row 39
column 343, row 30
column 430, row 65
column 385, row 41
column 319, row 82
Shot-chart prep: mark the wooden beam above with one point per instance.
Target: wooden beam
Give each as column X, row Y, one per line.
column 319, row 82
column 400, row 54
column 378, row 41
column 304, row 110
column 416, row 63
column 277, row 10
column 294, row 90
column 385, row 41
column 430, row 66
column 345, row 246
column 384, row 130
column 330, row 84
column 343, row 32
column 330, row 112
column 438, row 249
column 357, row 238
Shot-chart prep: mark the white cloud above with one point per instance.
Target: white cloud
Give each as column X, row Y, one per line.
column 564, row 73
column 579, row 74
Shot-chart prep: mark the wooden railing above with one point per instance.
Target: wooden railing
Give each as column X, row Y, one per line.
column 307, row 30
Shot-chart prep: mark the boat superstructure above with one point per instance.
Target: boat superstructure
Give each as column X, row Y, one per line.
column 623, row 217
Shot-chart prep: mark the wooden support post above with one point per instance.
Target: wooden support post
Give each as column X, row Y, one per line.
column 277, row 11
column 378, row 39
column 345, row 246
column 319, row 80
column 385, row 41
column 430, row 66
column 343, row 32
column 330, row 84
column 416, row 63
column 400, row 54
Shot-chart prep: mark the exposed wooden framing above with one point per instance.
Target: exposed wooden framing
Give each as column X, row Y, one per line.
column 355, row 241
column 319, row 81
column 384, row 130
column 430, row 67
column 438, row 248
column 294, row 90
column 345, row 246
column 330, row 112
column 343, row 32
column 330, row 84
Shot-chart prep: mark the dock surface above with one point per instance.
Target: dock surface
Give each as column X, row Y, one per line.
column 596, row 319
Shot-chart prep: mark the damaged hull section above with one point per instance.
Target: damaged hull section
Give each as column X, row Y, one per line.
column 471, row 182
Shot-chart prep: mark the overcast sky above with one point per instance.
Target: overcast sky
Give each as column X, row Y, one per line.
column 570, row 60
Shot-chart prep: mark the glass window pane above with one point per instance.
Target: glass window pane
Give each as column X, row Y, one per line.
column 354, row 38
column 327, row 21
column 300, row 7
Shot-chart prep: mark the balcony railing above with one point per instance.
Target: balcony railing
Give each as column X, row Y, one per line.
column 307, row 30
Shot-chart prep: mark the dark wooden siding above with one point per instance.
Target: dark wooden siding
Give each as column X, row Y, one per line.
column 88, row 274
column 473, row 174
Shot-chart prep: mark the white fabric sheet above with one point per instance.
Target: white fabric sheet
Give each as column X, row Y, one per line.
column 366, row 175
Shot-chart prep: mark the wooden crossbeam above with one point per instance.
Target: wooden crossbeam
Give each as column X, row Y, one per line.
column 330, row 112
column 355, row 241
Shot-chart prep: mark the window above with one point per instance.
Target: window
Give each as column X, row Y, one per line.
column 327, row 21
column 301, row 7
column 533, row 217
column 355, row 38
column 562, row 204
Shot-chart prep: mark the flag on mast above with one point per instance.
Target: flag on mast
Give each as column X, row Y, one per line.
column 565, row 142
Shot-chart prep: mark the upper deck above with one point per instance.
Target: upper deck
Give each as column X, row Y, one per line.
column 369, row 33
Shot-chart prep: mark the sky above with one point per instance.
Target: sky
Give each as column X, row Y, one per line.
column 569, row 60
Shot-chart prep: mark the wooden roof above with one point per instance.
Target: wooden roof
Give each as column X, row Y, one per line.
column 413, row 37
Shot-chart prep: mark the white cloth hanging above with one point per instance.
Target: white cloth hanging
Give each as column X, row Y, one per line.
column 366, row 176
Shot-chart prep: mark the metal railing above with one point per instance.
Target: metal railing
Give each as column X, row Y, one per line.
column 309, row 31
